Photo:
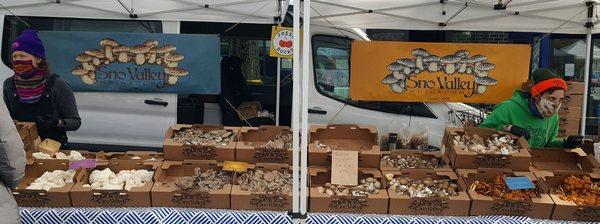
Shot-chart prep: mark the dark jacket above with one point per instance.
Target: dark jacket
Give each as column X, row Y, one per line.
column 57, row 100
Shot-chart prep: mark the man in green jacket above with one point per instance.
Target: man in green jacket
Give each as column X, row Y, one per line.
column 533, row 114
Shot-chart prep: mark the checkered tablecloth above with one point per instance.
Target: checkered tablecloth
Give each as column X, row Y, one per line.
column 210, row 216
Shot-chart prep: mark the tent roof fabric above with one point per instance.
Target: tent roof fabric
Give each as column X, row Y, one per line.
column 558, row 16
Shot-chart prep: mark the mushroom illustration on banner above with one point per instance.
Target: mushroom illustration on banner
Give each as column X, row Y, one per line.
column 423, row 61
column 111, row 51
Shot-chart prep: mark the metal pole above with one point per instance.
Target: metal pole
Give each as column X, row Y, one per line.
column 295, row 110
column 586, row 74
column 278, row 91
column 305, row 73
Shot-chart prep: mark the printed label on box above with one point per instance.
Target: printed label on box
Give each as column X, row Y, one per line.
column 587, row 213
column 519, row 183
column 31, row 199
column 493, row 161
column 276, row 202
column 270, row 155
column 429, row 206
column 198, row 152
column 191, row 199
column 511, row 207
column 112, row 199
column 349, row 203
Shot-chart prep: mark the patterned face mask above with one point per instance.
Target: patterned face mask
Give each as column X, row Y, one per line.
column 24, row 68
column 547, row 108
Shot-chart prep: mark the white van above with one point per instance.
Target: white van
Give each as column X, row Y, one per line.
column 126, row 119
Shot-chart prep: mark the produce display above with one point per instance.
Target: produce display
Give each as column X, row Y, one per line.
column 497, row 189
column 260, row 181
column 366, row 187
column 126, row 179
column 411, row 162
column 495, row 144
column 427, row 187
column 193, row 136
column 581, row 191
column 204, row 181
column 54, row 179
column 283, row 140
column 322, row 146
column 74, row 155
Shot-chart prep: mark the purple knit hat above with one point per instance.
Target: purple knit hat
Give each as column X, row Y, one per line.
column 29, row 42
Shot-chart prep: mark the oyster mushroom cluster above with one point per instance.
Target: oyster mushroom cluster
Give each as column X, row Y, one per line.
column 282, row 140
column 112, row 51
column 204, row 181
column 320, row 145
column 459, row 62
column 74, row 155
column 366, row 187
column 54, row 179
column 581, row 191
column 411, row 162
column 126, row 179
column 497, row 189
column 260, row 181
column 427, row 187
column 194, row 136
column 499, row 144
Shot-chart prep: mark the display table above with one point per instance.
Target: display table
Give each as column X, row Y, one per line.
column 325, row 218
column 148, row 216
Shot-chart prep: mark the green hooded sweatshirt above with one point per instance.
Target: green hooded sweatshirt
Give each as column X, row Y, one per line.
column 515, row 111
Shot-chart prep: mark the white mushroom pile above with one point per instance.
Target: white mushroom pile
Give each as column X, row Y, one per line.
column 427, row 187
column 366, row 187
column 422, row 60
column 282, row 140
column 125, row 179
column 496, row 144
column 54, row 179
column 74, row 155
column 147, row 53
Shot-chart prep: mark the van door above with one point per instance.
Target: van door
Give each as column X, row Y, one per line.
column 119, row 119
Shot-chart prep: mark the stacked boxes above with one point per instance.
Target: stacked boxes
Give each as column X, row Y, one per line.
column 570, row 112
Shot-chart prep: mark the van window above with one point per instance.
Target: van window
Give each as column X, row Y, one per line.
column 13, row 27
column 331, row 56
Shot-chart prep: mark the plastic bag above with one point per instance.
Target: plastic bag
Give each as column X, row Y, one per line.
column 420, row 139
column 404, row 139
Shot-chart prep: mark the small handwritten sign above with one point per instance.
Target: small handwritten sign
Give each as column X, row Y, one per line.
column 519, row 183
column 235, row 166
column 86, row 164
column 344, row 167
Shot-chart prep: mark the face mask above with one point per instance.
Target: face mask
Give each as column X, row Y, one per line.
column 547, row 108
column 24, row 68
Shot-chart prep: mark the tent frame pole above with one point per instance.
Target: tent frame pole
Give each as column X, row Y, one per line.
column 305, row 74
column 586, row 75
column 296, row 110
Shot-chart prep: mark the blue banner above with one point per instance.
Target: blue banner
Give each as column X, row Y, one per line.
column 135, row 62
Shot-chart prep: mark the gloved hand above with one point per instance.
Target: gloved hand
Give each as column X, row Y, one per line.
column 573, row 141
column 518, row 131
column 48, row 121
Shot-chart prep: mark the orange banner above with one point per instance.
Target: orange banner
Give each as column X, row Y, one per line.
column 437, row 72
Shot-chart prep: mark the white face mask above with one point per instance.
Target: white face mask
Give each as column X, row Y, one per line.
column 547, row 108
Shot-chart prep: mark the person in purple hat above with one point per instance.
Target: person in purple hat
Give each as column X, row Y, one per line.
column 34, row 94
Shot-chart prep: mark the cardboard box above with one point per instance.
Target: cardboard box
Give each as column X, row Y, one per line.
column 245, row 200
column 570, row 124
column 540, row 208
column 575, row 88
column 49, row 146
column 446, row 140
column 145, row 156
column 179, row 151
column 444, row 161
column 551, row 159
column 55, row 197
column 566, row 132
column 249, row 148
column 249, row 109
column 136, row 197
column 451, row 206
column 166, row 194
column 375, row 203
column 567, row 210
column 573, row 101
column 570, row 113
column 462, row 159
column 349, row 137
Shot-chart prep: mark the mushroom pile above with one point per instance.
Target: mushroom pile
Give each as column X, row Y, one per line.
column 282, row 140
column 147, row 53
column 261, row 181
column 366, row 187
column 459, row 62
column 54, row 179
column 427, row 187
column 496, row 144
column 125, row 179
column 411, row 162
column 195, row 136
column 498, row 189
column 204, row 180
column 74, row 155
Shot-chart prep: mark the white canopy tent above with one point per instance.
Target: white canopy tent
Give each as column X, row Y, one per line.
column 544, row 16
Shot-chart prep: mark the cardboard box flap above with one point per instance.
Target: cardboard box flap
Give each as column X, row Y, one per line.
column 261, row 134
column 562, row 159
column 345, row 131
column 270, row 166
column 51, row 165
column 118, row 165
